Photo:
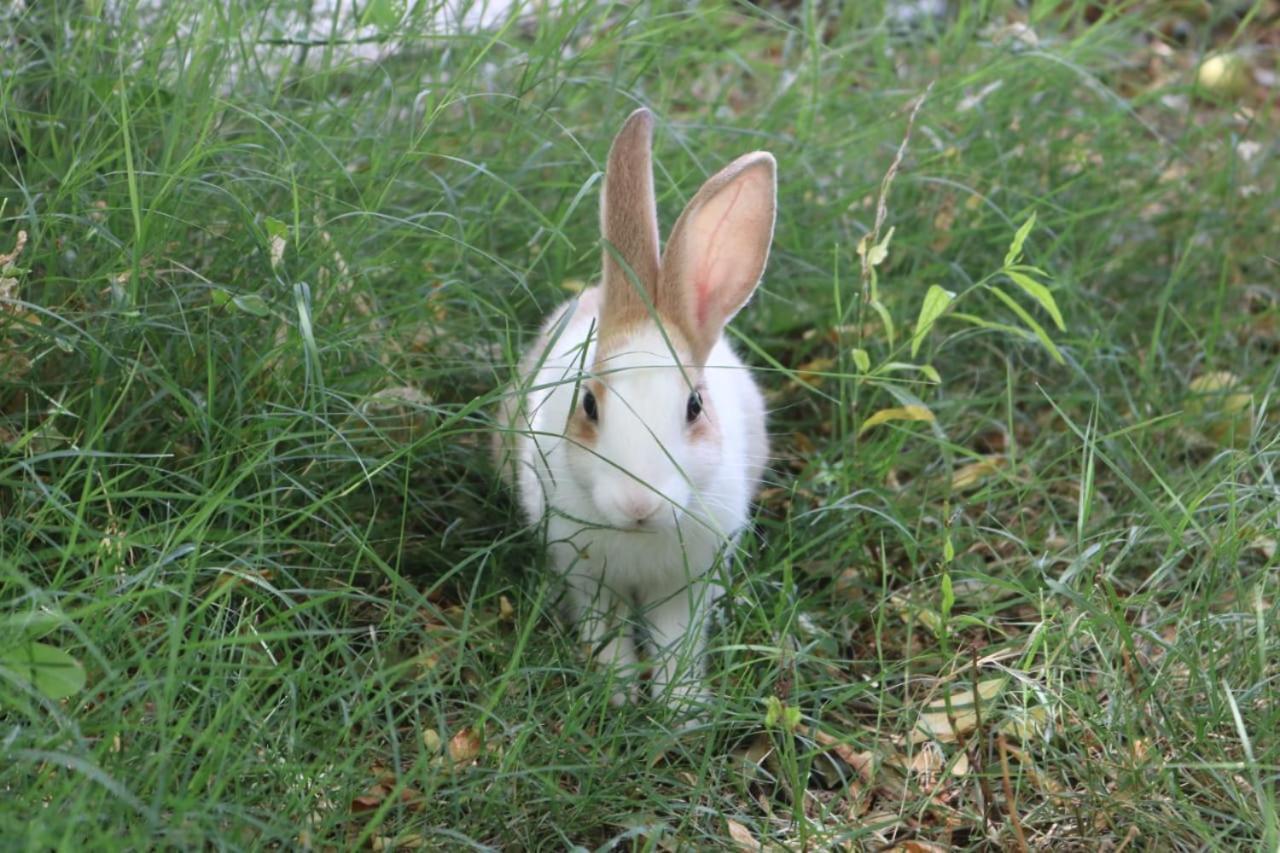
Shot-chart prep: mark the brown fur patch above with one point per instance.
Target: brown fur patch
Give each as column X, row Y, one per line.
column 581, row 428
column 614, row 340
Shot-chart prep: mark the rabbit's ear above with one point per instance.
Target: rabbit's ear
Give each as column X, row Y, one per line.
column 629, row 221
column 718, row 249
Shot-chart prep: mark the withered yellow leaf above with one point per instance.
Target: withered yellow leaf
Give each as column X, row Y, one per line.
column 968, row 476
column 897, row 413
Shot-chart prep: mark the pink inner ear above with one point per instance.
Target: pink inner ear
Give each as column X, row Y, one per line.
column 711, row 271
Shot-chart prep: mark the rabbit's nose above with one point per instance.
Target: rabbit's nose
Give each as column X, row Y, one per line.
column 640, row 508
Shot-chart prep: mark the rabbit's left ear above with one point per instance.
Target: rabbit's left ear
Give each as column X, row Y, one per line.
column 718, row 249
column 629, row 221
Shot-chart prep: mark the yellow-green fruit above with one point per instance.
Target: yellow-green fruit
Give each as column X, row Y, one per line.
column 1221, row 409
column 1223, row 75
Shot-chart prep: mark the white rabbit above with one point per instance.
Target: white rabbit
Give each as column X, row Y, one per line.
column 636, row 436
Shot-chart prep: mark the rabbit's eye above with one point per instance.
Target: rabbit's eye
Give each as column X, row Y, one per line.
column 589, row 405
column 694, row 407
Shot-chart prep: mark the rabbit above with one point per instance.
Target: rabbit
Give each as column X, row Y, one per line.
column 635, row 436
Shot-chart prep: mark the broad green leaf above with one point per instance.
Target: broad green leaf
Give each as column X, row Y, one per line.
column 1039, row 293
column 252, row 303
column 1015, row 248
column 1031, row 324
column 897, row 413
column 991, row 324
column 861, row 360
column 884, row 318
column 948, row 592
column 220, row 297
column 32, row 622
column 49, row 669
column 935, row 302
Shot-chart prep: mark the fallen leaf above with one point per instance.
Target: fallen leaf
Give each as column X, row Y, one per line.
column 369, row 800
column 897, row 413
column 1266, row 545
column 1221, row 408
column 20, row 243
column 464, row 746
column 968, row 476
column 914, row 846
column 1027, row 724
column 863, row 762
column 926, row 765
column 936, row 724
column 412, row 841
column 810, row 373
column 742, row 836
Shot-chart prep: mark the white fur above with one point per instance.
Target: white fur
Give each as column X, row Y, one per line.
column 643, row 455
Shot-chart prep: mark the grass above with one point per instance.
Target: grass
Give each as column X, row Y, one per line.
column 244, row 486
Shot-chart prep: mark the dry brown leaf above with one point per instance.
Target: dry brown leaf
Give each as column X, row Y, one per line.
column 927, row 764
column 370, row 799
column 7, row 258
column 742, row 836
column 412, row 841
column 464, row 746
column 915, row 846
column 936, row 724
column 8, row 281
column 1027, row 724
column 863, row 762
column 809, row 372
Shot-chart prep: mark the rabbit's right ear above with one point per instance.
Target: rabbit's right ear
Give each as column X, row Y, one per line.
column 629, row 222
column 718, row 249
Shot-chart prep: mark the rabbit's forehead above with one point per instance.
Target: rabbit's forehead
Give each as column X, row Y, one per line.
column 647, row 372
column 645, row 347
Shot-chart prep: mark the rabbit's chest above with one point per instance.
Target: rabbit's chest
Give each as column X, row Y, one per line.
column 640, row 561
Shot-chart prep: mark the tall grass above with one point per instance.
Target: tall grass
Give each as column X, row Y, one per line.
column 270, row 292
